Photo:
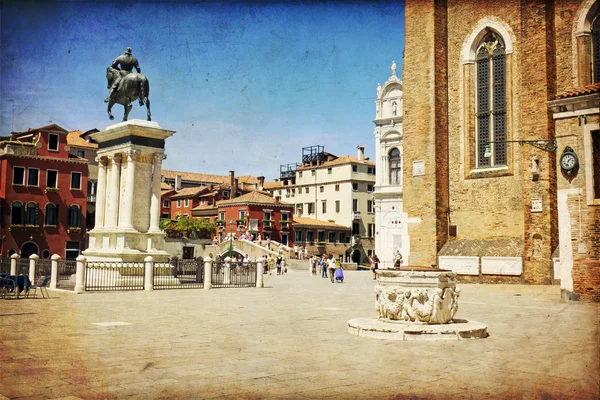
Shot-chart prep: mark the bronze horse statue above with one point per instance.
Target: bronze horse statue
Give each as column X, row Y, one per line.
column 133, row 86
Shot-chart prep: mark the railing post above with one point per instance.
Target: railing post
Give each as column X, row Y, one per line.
column 208, row 272
column 260, row 282
column 32, row 261
column 54, row 270
column 80, row 275
column 149, row 273
column 227, row 271
column 13, row 264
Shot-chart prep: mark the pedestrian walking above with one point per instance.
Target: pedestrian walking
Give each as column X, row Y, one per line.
column 331, row 268
column 278, row 264
column 374, row 265
column 323, row 266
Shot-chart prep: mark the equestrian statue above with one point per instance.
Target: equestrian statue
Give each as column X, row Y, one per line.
column 126, row 86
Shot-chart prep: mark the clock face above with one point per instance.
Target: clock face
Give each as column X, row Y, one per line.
column 568, row 161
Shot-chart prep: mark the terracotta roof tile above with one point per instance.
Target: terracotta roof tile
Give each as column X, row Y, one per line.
column 204, row 208
column 301, row 221
column 165, row 186
column 272, row 185
column 254, row 197
column 74, row 139
column 195, row 177
column 189, row 192
column 589, row 89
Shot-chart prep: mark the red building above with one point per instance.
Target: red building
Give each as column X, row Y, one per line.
column 259, row 214
column 42, row 194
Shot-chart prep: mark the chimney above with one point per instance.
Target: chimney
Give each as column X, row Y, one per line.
column 231, row 183
column 235, row 187
column 361, row 153
column 261, row 182
column 177, row 182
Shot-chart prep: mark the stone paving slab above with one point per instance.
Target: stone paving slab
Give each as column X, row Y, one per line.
column 290, row 341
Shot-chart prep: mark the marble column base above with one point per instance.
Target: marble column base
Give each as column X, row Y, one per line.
column 111, row 245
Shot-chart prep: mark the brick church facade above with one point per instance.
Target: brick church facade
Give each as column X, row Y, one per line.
column 479, row 76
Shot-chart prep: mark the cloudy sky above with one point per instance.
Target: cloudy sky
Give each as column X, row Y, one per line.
column 245, row 85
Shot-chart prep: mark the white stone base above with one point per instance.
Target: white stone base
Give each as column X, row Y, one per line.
column 123, row 255
column 376, row 328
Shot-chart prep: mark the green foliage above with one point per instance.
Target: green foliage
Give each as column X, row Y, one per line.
column 199, row 227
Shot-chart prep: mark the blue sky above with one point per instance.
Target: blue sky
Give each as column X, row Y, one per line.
column 245, row 85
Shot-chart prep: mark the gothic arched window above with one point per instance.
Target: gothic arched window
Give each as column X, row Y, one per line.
column 17, row 214
column 395, row 172
column 51, row 215
column 490, row 104
column 596, row 47
column 74, row 217
column 31, row 214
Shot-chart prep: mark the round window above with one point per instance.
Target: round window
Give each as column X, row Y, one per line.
column 46, row 253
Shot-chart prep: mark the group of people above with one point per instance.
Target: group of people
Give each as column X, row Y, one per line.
column 278, row 263
column 329, row 267
column 374, row 260
column 300, row 253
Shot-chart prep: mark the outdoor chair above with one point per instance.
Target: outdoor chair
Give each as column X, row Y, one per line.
column 42, row 284
column 7, row 286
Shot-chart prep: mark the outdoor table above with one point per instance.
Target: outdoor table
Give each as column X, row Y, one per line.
column 22, row 282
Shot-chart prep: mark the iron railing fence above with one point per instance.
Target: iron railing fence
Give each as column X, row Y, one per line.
column 179, row 274
column 43, row 267
column 4, row 265
column 107, row 276
column 22, row 266
column 240, row 274
column 66, row 268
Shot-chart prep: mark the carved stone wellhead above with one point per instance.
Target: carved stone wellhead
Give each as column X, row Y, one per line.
column 426, row 296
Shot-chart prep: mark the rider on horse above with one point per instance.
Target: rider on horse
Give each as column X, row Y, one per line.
column 127, row 63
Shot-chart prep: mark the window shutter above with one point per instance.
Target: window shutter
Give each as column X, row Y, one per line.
column 36, row 214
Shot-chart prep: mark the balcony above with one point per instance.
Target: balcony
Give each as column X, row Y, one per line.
column 268, row 224
column 91, row 198
column 355, row 215
column 285, row 225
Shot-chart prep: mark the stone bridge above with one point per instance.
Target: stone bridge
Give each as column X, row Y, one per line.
column 253, row 249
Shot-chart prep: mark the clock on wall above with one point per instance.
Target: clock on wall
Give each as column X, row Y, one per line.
column 569, row 162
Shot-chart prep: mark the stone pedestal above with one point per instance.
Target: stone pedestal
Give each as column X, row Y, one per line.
column 130, row 158
column 416, row 303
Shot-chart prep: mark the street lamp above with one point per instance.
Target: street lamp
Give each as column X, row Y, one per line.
column 545, row 145
column 230, row 238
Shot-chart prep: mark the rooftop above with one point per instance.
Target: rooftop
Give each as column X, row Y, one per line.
column 189, row 192
column 254, row 197
column 584, row 90
column 74, row 139
column 338, row 161
column 302, row 221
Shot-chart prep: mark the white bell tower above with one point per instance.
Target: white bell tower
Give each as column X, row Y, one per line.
column 391, row 230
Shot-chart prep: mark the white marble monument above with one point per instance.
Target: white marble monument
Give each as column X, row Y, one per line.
column 127, row 228
column 391, row 222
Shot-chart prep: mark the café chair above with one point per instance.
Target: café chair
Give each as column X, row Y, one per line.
column 42, row 284
column 7, row 286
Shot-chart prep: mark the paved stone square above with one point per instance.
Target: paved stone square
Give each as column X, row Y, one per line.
column 290, row 340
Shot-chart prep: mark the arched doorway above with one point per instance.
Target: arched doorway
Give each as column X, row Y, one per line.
column 28, row 249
